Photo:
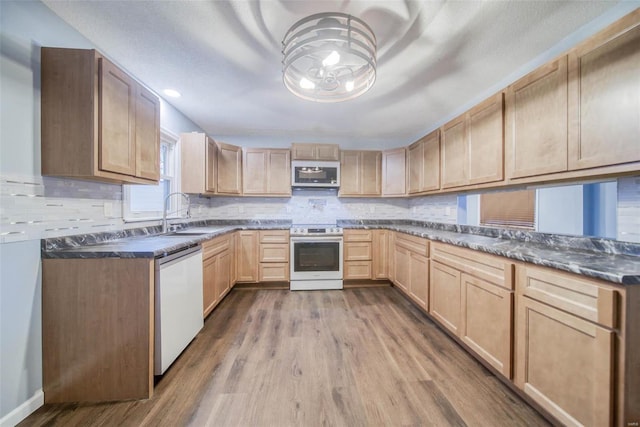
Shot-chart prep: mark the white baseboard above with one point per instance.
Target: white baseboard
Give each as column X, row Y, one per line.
column 23, row 411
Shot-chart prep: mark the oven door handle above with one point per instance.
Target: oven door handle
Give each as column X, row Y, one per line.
column 314, row 239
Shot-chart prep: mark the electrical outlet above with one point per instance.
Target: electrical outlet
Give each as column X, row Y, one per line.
column 447, row 210
column 372, row 208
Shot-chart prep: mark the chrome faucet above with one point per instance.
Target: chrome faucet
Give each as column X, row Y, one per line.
column 166, row 208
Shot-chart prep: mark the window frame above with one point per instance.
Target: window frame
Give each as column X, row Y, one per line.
column 171, row 141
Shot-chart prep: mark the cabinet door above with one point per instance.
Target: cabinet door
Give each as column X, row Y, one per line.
column 380, row 261
column 604, row 98
column 327, row 152
column 536, row 131
column 210, row 166
column 223, row 277
column 486, row 141
column 455, row 162
column 147, row 134
column 564, row 363
column 402, row 262
column 303, row 151
column 116, row 143
column 444, row 296
column 415, row 156
column 394, row 172
column 279, row 173
column 487, row 318
column 229, row 170
column 419, row 279
column 247, row 256
column 193, row 163
column 371, row 173
column 391, row 254
column 350, row 176
column 209, row 274
column 431, row 162
column 255, row 171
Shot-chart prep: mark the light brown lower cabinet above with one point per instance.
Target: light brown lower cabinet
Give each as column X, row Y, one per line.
column 411, row 267
column 274, row 255
column 217, row 262
column 358, row 254
column 573, row 344
column 471, row 294
column 97, row 329
column 263, row 256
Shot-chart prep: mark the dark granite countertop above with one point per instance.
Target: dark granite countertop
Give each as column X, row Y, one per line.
column 605, row 259
column 147, row 242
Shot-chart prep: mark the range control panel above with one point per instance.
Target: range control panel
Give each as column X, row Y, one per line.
column 316, row 230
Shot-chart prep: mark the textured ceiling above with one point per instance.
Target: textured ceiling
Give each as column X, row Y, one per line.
column 224, row 57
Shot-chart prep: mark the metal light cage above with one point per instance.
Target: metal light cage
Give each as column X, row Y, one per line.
column 329, row 57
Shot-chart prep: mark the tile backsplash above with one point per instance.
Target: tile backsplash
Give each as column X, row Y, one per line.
column 34, row 207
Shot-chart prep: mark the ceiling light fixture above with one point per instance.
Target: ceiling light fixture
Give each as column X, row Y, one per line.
column 172, row 93
column 329, row 57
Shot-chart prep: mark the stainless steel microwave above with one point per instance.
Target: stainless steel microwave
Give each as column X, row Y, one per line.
column 315, row 174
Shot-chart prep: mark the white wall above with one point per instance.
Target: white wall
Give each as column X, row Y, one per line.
column 25, row 26
column 559, row 210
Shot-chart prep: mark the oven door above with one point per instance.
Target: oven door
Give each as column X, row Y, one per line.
column 316, row 258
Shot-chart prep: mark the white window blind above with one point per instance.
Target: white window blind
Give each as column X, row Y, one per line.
column 509, row 209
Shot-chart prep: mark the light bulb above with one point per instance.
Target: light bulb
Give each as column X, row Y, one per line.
column 349, row 85
column 307, row 84
column 332, row 59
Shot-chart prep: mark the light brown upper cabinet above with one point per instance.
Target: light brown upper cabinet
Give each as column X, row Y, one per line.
column 394, row 172
column 198, row 159
column 315, row 151
column 266, row 172
column 97, row 121
column 473, row 145
column 360, row 173
column 604, row 97
column 536, row 131
column 424, row 164
column 229, row 169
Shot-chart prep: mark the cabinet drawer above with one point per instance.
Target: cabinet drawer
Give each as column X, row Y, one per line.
column 413, row 243
column 494, row 269
column 358, row 235
column 570, row 293
column 274, row 252
column 357, row 270
column 215, row 246
column 273, row 272
column 360, row 251
column 274, row 236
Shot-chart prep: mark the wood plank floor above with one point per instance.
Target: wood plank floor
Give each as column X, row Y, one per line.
column 358, row 357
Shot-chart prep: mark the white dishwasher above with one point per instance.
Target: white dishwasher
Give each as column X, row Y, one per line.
column 178, row 304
